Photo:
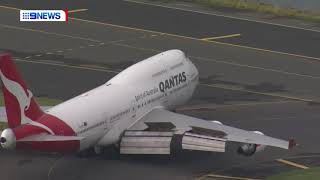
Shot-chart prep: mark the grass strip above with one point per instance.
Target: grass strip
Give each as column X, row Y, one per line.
column 259, row 7
column 308, row 174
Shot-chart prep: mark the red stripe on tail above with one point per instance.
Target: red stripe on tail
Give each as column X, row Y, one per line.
column 19, row 100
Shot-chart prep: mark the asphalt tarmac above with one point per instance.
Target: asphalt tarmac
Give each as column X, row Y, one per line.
column 273, row 92
column 186, row 23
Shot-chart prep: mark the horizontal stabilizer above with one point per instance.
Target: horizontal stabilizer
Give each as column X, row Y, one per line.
column 47, row 137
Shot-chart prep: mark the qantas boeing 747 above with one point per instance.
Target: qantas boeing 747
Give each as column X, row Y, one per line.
column 132, row 112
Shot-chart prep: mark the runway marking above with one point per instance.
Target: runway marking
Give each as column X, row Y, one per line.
column 207, row 59
column 257, row 92
column 91, row 45
column 65, row 65
column 53, row 166
column 50, row 61
column 11, row 8
column 227, row 177
column 206, row 13
column 186, row 5
column 255, row 67
column 196, row 39
column 233, row 105
column 221, row 37
column 221, row 15
column 208, row 85
column 77, row 10
column 49, row 33
column 138, row 48
column 292, row 164
column 186, row 37
column 225, row 62
column 269, row 94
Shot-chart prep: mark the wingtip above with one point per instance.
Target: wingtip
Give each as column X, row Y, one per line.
column 292, row 143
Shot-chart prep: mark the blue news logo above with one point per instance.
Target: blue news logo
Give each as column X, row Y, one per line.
column 41, row 15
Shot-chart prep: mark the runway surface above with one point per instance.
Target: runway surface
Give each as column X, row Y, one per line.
column 272, row 91
column 189, row 24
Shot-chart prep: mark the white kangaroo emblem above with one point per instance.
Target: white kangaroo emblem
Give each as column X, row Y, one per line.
column 24, row 100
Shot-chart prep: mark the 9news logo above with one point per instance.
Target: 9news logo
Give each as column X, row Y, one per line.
column 44, row 15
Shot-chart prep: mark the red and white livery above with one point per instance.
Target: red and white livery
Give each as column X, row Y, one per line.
column 132, row 111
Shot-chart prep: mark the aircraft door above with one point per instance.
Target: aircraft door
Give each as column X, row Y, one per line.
column 133, row 109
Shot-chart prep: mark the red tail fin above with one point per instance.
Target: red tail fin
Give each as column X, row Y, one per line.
column 21, row 106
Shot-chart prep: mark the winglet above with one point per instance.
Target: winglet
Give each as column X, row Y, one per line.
column 292, row 143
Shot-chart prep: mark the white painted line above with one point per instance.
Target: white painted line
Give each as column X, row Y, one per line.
column 220, row 15
column 229, row 177
column 51, row 61
column 77, row 10
column 221, row 37
column 64, row 65
column 185, row 5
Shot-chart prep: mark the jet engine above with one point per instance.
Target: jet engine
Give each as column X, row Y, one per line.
column 250, row 149
column 8, row 139
column 218, row 122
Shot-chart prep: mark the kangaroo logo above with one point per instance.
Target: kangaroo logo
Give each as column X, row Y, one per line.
column 24, row 100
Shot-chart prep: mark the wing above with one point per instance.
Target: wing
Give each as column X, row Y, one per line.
column 198, row 134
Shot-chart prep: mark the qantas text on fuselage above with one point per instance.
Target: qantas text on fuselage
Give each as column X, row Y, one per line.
column 119, row 113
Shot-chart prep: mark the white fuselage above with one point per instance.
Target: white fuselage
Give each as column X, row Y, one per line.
column 104, row 113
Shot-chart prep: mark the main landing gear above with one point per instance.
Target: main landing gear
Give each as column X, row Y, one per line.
column 110, row 152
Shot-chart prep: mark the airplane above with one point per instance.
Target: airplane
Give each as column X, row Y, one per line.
column 133, row 112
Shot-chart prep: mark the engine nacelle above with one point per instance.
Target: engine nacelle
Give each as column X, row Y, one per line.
column 250, row 149
column 8, row 139
column 247, row 149
column 218, row 122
